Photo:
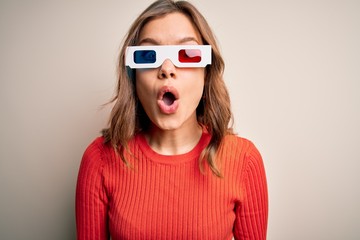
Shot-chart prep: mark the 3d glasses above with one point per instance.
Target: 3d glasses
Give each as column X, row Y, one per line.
column 186, row 56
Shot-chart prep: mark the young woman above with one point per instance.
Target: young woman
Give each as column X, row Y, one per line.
column 168, row 166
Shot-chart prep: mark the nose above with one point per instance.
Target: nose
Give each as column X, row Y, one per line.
column 167, row 70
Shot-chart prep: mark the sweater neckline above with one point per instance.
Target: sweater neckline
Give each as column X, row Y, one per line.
column 172, row 159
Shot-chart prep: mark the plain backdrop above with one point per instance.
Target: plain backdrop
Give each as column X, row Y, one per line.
column 292, row 69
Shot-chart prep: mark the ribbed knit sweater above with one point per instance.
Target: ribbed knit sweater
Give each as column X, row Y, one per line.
column 167, row 197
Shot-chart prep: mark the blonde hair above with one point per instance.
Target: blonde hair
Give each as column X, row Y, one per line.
column 213, row 112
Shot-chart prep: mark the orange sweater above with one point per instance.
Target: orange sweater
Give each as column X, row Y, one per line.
column 166, row 197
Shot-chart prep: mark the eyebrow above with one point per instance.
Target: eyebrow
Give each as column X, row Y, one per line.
column 155, row 42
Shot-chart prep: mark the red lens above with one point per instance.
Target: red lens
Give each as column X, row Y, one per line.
column 190, row 55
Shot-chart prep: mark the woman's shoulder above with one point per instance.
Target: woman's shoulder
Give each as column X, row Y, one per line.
column 96, row 152
column 234, row 141
column 240, row 148
column 240, row 153
column 96, row 146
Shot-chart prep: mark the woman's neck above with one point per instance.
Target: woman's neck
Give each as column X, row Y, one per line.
column 173, row 142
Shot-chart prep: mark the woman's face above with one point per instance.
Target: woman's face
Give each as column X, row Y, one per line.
column 168, row 94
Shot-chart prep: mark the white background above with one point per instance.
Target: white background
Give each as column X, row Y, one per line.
column 292, row 69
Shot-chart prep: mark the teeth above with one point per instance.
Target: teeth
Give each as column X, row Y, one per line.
column 168, row 98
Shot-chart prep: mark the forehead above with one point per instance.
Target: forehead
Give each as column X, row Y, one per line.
column 170, row 29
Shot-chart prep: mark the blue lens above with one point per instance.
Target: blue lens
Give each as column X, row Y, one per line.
column 144, row 56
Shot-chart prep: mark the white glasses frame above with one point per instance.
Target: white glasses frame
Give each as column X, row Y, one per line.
column 171, row 52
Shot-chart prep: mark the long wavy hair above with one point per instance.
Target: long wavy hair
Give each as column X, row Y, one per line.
column 213, row 112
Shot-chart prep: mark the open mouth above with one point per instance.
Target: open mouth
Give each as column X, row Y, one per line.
column 168, row 98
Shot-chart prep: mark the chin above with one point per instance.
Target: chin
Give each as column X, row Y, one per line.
column 174, row 122
column 168, row 126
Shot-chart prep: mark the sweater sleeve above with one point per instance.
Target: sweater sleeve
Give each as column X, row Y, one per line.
column 252, row 211
column 91, row 197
